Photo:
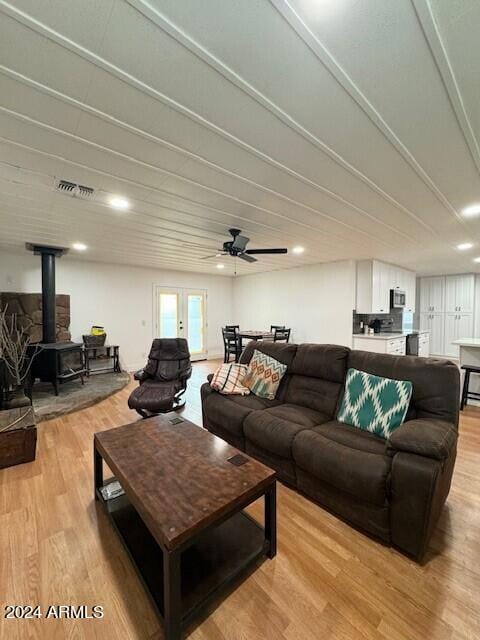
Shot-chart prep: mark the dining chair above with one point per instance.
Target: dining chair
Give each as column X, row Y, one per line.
column 281, row 335
column 231, row 344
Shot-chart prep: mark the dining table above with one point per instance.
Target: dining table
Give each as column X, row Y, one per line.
column 254, row 335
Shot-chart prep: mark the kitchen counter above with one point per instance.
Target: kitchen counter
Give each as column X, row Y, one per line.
column 394, row 343
column 469, row 351
column 467, row 342
column 388, row 336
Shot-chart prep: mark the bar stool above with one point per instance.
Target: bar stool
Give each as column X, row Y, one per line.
column 466, row 394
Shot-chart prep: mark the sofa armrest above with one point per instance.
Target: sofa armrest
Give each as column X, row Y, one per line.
column 209, row 377
column 431, row 438
column 419, row 487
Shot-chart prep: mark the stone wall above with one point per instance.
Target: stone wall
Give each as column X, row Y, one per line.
column 28, row 307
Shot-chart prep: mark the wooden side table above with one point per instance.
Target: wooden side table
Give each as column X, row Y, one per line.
column 112, row 352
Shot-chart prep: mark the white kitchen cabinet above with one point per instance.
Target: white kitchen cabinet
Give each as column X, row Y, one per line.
column 425, row 302
column 424, row 345
column 437, row 331
column 465, row 325
column 459, row 293
column 375, row 280
column 386, row 277
column 432, row 294
column 381, row 344
column 410, row 287
column 434, row 324
column 372, row 293
column 457, row 325
column 396, row 346
column 397, row 277
column 450, row 335
column 447, row 305
column 425, row 322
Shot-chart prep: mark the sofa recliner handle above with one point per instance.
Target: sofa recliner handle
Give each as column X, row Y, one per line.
column 427, row 437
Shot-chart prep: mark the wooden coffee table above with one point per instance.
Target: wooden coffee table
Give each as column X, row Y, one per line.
column 181, row 517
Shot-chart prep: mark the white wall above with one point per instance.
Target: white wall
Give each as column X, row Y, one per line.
column 119, row 298
column 316, row 302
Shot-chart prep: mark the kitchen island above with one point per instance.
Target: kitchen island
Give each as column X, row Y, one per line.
column 469, row 351
column 392, row 343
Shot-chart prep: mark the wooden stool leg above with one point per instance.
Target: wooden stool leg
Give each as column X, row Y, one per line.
column 466, row 383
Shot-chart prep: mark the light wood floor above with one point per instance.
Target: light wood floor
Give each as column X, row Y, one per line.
column 328, row 580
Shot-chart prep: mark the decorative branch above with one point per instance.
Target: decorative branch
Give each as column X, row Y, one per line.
column 14, row 343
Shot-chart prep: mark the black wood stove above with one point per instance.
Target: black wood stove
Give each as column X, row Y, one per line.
column 55, row 362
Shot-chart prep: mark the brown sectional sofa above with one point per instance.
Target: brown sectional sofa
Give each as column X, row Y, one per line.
column 393, row 489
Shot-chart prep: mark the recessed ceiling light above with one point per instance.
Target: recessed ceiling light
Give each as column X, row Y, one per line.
column 464, row 246
column 220, row 266
column 476, row 259
column 119, row 203
column 472, row 210
column 298, row 250
column 79, row 246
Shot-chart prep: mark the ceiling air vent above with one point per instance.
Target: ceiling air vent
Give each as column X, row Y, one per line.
column 74, row 189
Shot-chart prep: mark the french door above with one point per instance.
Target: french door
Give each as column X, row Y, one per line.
column 181, row 313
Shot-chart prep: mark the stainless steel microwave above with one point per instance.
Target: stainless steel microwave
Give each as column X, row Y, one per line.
column 398, row 299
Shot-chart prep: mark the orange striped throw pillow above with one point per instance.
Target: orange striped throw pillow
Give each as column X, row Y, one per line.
column 228, row 379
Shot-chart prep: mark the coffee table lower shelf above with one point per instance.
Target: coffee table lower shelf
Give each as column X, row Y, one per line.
column 209, row 568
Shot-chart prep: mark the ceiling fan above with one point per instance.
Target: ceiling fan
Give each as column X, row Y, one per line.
column 237, row 248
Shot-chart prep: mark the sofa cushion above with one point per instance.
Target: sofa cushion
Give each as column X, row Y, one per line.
column 349, row 466
column 317, row 375
column 229, row 412
column 281, row 351
column 314, row 393
column 326, row 361
column 285, row 467
column 275, row 429
column 352, row 437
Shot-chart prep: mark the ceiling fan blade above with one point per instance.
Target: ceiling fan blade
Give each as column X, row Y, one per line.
column 247, row 258
column 215, row 255
column 260, row 251
column 240, row 242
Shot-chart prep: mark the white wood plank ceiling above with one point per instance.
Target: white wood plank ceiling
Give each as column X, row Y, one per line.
column 349, row 127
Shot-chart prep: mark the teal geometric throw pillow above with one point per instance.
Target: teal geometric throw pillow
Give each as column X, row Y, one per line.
column 374, row 404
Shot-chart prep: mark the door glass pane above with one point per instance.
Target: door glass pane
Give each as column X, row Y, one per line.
column 195, row 323
column 168, row 315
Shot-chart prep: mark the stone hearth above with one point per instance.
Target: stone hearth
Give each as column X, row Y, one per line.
column 28, row 307
column 73, row 396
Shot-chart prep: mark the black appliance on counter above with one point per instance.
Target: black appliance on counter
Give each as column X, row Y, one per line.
column 381, row 325
column 55, row 362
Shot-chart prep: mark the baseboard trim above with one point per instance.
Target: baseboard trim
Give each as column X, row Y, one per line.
column 215, row 356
